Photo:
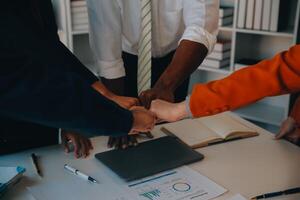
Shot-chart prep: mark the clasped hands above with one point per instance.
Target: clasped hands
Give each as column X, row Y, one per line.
column 139, row 106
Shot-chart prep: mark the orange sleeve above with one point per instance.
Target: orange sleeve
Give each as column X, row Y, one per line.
column 276, row 76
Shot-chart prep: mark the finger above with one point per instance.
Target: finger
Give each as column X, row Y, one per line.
column 111, row 141
column 124, row 142
column 88, row 147
column 76, row 144
column 90, row 144
column 281, row 133
column 117, row 143
column 136, row 102
column 133, row 140
column 148, row 134
column 143, row 100
column 83, row 148
column 65, row 143
column 287, row 127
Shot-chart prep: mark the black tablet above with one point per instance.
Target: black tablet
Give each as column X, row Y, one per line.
column 149, row 158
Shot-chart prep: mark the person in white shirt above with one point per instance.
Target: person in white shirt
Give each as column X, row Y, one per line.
column 183, row 32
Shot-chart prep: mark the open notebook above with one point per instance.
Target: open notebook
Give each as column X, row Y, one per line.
column 208, row 130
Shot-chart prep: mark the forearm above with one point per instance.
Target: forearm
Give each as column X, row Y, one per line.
column 276, row 76
column 188, row 56
column 114, row 86
column 100, row 87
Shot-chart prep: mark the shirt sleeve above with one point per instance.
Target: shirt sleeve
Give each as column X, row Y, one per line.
column 44, row 83
column 106, row 37
column 276, row 76
column 201, row 21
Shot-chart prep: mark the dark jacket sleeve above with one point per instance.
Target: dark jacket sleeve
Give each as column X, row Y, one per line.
column 18, row 136
column 42, row 82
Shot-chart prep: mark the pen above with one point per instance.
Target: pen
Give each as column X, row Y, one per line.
column 35, row 164
column 275, row 194
column 79, row 173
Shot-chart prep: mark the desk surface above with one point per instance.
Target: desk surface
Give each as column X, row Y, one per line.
column 250, row 167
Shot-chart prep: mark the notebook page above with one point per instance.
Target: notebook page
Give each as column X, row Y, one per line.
column 223, row 124
column 191, row 132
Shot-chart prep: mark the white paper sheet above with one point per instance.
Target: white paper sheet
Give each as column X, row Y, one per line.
column 179, row 184
column 237, row 197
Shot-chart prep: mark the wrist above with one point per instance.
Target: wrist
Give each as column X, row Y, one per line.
column 181, row 111
column 165, row 84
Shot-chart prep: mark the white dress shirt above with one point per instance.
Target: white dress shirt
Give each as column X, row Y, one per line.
column 115, row 27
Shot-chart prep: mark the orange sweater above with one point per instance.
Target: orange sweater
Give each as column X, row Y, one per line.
column 276, row 76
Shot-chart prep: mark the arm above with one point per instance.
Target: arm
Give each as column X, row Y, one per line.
column 46, row 84
column 279, row 75
column 201, row 21
column 106, row 37
column 276, row 76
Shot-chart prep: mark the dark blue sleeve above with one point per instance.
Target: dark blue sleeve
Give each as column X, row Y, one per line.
column 42, row 82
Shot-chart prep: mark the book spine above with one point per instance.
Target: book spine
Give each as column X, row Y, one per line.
column 266, row 15
column 242, row 13
column 80, row 27
column 250, row 14
column 219, row 55
column 274, row 15
column 79, row 9
column 215, row 63
column 258, row 14
column 225, row 21
column 78, row 3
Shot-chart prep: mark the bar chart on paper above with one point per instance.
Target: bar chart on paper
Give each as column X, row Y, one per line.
column 181, row 184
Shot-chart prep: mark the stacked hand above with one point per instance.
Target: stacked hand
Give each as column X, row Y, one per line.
column 128, row 140
column 148, row 96
column 170, row 112
column 289, row 130
column 82, row 145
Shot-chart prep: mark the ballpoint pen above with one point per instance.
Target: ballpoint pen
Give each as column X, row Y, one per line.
column 35, row 163
column 279, row 193
column 79, row 173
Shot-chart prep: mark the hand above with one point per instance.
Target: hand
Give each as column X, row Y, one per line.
column 169, row 112
column 124, row 102
column 116, row 85
column 82, row 145
column 143, row 120
column 122, row 142
column 289, row 130
column 126, row 141
column 146, row 97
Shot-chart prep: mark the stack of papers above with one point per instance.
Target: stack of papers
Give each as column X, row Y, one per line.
column 9, row 176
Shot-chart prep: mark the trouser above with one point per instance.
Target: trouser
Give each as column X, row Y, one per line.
column 159, row 65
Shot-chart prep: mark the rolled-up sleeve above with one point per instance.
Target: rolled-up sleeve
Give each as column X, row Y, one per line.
column 106, row 38
column 201, row 21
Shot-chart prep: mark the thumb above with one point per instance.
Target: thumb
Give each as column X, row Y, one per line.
column 65, row 143
column 287, row 126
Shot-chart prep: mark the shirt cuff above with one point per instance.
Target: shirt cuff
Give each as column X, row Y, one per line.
column 187, row 107
column 110, row 70
column 200, row 35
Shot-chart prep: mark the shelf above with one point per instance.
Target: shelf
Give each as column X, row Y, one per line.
column 260, row 32
column 225, row 70
column 226, row 28
column 264, row 113
column 80, row 32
